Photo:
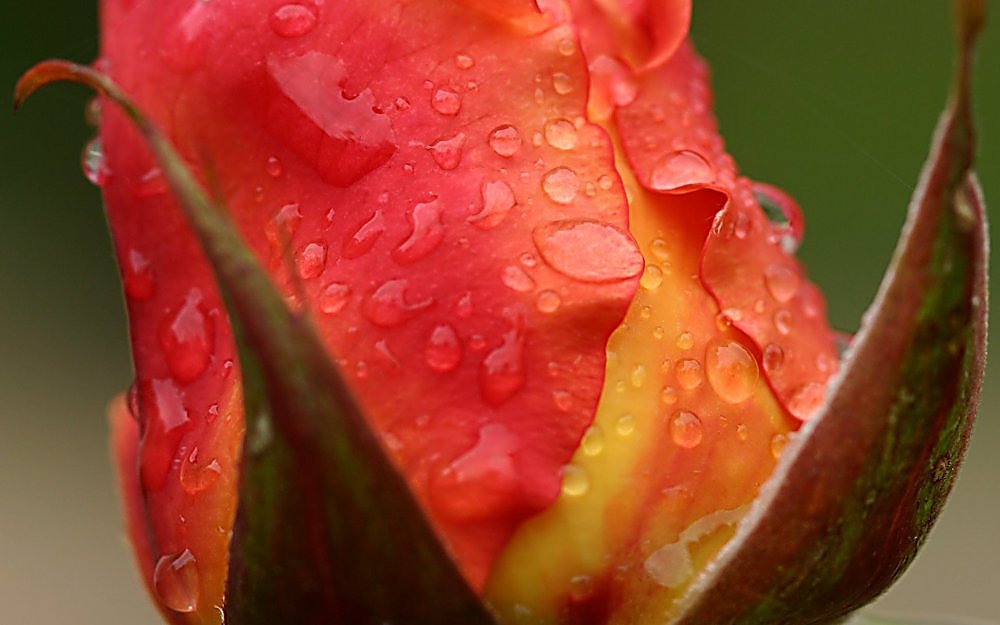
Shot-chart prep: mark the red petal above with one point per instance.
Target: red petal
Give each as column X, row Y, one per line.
column 425, row 199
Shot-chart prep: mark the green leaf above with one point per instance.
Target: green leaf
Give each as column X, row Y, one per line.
column 327, row 531
column 856, row 493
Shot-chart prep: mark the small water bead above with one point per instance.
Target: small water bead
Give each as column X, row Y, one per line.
column 778, row 443
column 686, row 429
column 365, row 237
column 446, row 101
column 516, row 279
column 311, row 260
column 731, row 369
column 562, row 83
column 575, row 482
column 581, row 587
column 273, row 167
column 659, row 249
column 659, row 333
column 464, row 307
column 176, row 581
column 138, row 280
column 783, row 321
column 426, row 234
column 685, row 340
column 547, row 302
column 563, row 400
column 505, row 140
column 93, row 163
column 561, row 185
column 681, row 169
column 293, row 20
column 443, row 351
column 560, row 134
column 625, row 424
column 498, row 199
column 668, row 395
column 806, row 400
column 646, row 312
column 334, row 297
column 638, row 377
column 528, row 260
column 502, row 374
column 689, row 373
column 401, row 104
column 773, row 357
column 567, row 47
column 782, row 282
column 464, row 61
column 592, row 443
column 605, row 182
column 197, row 474
column 588, row 251
column 652, row 278
column 447, row 153
column 187, row 338
column 389, row 307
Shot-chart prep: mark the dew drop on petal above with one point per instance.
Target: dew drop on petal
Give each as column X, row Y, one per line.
column 464, row 61
column 175, row 579
column 806, row 400
column 365, row 237
column 464, row 307
column 561, row 185
column 773, row 357
column 498, row 199
column 447, row 153
column 588, row 251
column 198, row 474
column 592, row 443
column 505, row 140
column 731, row 370
column 560, row 134
column 516, row 279
column 334, row 297
column 93, row 163
column 389, row 305
column 293, row 20
column 426, row 234
column 778, row 443
column 310, row 260
column 446, row 101
column 783, row 321
column 562, row 83
column 686, row 429
column 483, row 482
column 443, row 351
column 681, row 169
column 782, row 282
column 187, row 337
column 689, row 373
column 575, row 482
column 501, row 374
column 273, row 167
column 625, row 425
column 652, row 278
column 137, row 277
column 547, row 302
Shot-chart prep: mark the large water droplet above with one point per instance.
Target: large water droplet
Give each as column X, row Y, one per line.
column 561, row 134
column 198, row 474
column 561, row 185
column 443, row 351
column 93, row 163
column 293, row 20
column 731, row 369
column 446, row 101
column 388, row 306
column 686, row 429
column 310, row 260
column 502, row 372
column 782, row 281
column 498, row 199
column 589, row 251
column 187, row 337
column 364, row 238
column 426, row 233
column 681, row 169
column 447, row 153
column 482, row 483
column 137, row 277
column 505, row 140
column 334, row 297
column 175, row 579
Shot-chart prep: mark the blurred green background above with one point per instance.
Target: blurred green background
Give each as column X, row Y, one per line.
column 833, row 100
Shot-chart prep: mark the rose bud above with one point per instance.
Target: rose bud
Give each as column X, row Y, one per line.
column 458, row 311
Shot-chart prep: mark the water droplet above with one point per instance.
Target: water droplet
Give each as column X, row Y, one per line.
column 561, row 185
column 731, row 369
column 464, row 307
column 589, row 251
column 447, row 153
column 197, row 475
column 498, row 199
column 515, row 278
column 443, row 351
column 686, row 429
column 561, row 134
column 605, row 182
column 334, row 297
column 783, row 321
column 778, row 443
column 505, row 140
column 806, row 400
column 625, row 425
column 688, row 372
column 782, row 282
column 502, row 371
column 426, row 233
column 446, row 101
column 150, row 184
column 310, row 260
column 273, row 167
column 562, row 83
column 592, row 443
column 652, row 278
column 93, row 163
column 638, row 377
column 742, row 432
column 668, row 395
column 187, row 337
column 581, row 587
column 681, row 169
column 575, row 481
column 482, row 483
column 364, row 238
column 612, row 84
column 563, row 400
column 567, row 47
column 388, row 306
column 547, row 301
column 774, row 357
column 401, row 104
column 463, row 61
column 176, row 582
column 660, row 249
column 137, row 276
column 293, row 20
column 685, row 340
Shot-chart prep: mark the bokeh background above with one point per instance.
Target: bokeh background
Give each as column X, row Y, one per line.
column 833, row 100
